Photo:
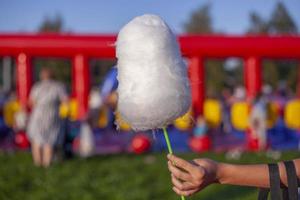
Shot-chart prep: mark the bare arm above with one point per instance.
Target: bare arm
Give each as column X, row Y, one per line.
column 251, row 175
column 30, row 103
column 191, row 177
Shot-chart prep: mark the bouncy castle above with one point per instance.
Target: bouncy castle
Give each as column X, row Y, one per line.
column 196, row 49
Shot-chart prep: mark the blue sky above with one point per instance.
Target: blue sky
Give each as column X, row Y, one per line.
column 99, row 16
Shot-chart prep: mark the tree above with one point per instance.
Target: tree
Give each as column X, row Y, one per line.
column 200, row 21
column 52, row 25
column 216, row 77
column 279, row 23
column 258, row 24
column 60, row 67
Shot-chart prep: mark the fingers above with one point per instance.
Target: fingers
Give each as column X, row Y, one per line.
column 194, row 171
column 179, row 174
column 181, row 163
column 187, row 178
column 186, row 192
column 182, row 185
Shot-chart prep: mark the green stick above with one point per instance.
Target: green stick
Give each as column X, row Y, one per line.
column 169, row 147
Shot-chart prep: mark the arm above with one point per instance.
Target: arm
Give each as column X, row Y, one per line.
column 33, row 96
column 30, row 103
column 245, row 175
column 251, row 175
column 191, row 177
column 63, row 96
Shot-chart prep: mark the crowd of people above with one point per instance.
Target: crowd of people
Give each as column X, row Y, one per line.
column 45, row 127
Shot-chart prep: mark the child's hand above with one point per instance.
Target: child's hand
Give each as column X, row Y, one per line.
column 190, row 177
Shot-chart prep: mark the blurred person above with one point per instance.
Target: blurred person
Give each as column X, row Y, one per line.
column 111, row 105
column 45, row 126
column 108, row 98
column 95, row 100
column 201, row 128
column 3, row 97
column 10, row 107
column 95, row 104
column 282, row 96
column 239, row 94
column 226, row 97
column 109, row 84
column 258, row 121
column 191, row 177
column 267, row 92
column 200, row 141
column 112, row 100
column 86, row 140
column 86, row 136
column 283, row 90
column 20, row 120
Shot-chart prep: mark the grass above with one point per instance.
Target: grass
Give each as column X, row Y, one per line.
column 113, row 177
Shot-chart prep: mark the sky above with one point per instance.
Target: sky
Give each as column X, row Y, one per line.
column 99, row 16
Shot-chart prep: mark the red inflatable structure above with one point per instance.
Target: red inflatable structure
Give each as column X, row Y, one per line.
column 80, row 48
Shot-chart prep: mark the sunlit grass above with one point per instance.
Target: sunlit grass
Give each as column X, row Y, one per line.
column 114, row 177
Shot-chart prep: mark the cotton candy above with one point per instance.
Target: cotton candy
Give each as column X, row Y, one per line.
column 153, row 85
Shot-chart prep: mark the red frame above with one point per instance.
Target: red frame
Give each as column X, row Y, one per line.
column 196, row 48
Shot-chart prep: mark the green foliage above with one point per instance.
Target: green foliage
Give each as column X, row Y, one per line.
column 257, row 24
column 200, row 21
column 280, row 22
column 218, row 77
column 275, row 71
column 99, row 69
column 270, row 73
column 114, row 177
column 52, row 25
column 215, row 76
column 60, row 67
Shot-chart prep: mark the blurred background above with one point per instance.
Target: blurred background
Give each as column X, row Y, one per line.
column 243, row 62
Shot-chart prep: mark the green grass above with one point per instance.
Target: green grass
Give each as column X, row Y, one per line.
column 114, row 177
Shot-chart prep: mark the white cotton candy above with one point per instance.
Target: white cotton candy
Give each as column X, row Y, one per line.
column 153, row 85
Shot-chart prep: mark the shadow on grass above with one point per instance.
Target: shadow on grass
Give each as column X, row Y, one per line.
column 227, row 193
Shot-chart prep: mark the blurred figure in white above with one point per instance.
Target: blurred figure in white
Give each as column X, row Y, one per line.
column 21, row 119
column 86, row 137
column 45, row 125
column 267, row 91
column 95, row 103
column 95, row 100
column 258, row 121
column 239, row 94
column 86, row 140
